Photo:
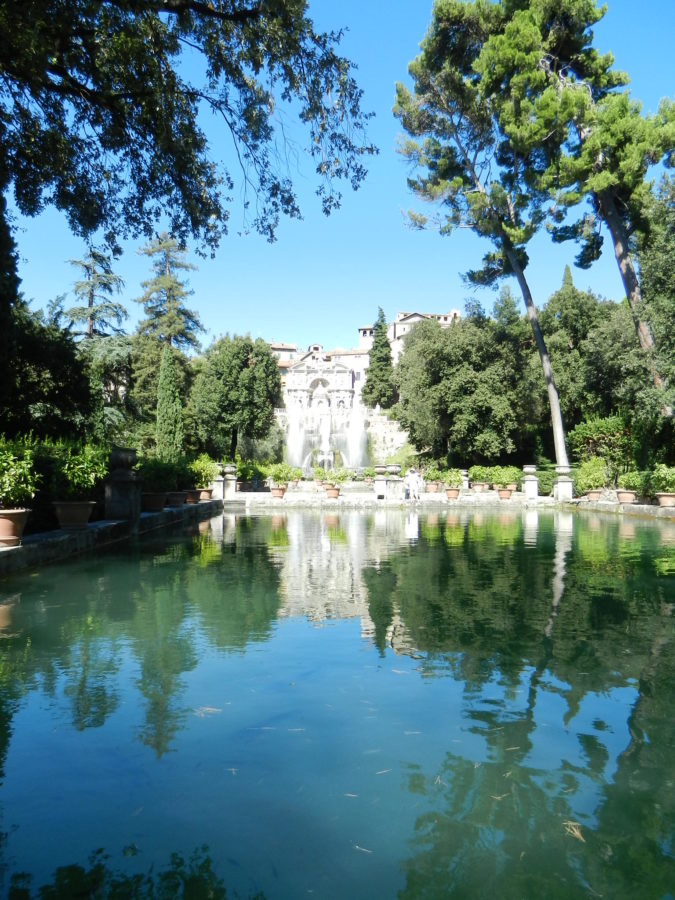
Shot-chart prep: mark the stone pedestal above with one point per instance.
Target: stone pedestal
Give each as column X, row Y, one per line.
column 123, row 496
column 230, row 488
column 563, row 488
column 465, row 479
column 395, row 488
column 380, row 487
column 530, row 483
column 218, row 488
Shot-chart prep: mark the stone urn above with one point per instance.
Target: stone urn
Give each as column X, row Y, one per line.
column 229, row 469
column 393, row 469
column 123, row 458
column 12, row 524
column 74, row 515
column 380, row 470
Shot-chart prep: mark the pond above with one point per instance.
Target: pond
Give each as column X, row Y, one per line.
column 347, row 705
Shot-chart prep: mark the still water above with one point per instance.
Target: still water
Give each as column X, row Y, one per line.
column 345, row 706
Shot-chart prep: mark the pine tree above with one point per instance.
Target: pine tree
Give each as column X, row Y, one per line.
column 99, row 315
column 379, row 384
column 169, row 433
column 168, row 319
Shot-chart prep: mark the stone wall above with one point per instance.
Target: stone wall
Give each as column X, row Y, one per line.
column 385, row 436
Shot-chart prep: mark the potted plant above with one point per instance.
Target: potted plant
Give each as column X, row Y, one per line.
column 479, row 478
column 337, row 478
column 78, row 472
column 452, row 479
column 204, row 470
column 280, row 474
column 432, row 477
column 296, row 475
column 18, row 483
column 591, row 478
column 368, row 474
column 629, row 485
column 158, row 478
column 662, row 483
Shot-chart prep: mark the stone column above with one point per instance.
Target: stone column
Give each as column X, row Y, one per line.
column 217, row 488
column 465, row 479
column 230, row 488
column 530, row 484
column 394, row 488
column 380, row 487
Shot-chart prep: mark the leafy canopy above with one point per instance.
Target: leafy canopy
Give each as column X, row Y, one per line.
column 101, row 103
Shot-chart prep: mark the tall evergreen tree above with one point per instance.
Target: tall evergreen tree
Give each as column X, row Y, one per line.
column 379, row 383
column 99, row 315
column 168, row 319
column 468, row 166
column 169, row 433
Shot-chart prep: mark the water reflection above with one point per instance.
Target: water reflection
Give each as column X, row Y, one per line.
column 491, row 710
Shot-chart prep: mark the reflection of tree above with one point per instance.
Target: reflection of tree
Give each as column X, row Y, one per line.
column 237, row 596
column 181, row 878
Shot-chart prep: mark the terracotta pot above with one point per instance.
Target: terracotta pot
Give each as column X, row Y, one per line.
column 176, row 498
column 452, row 493
column 153, row 501
column 278, row 491
column 12, row 524
column 666, row 499
column 192, row 495
column 594, row 495
column 332, row 492
column 432, row 487
column 504, row 493
column 479, row 486
column 205, row 493
column 74, row 515
column 513, row 486
column 624, row 496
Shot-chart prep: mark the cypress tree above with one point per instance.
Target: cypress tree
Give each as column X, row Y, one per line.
column 379, row 384
column 169, row 434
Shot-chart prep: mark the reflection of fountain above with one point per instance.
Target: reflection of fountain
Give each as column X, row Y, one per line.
column 325, row 424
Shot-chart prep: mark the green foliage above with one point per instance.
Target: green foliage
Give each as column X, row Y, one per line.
column 369, row 472
column 503, row 475
column 320, row 473
column 234, row 393
column 379, row 384
column 296, row 473
column 479, row 474
column 204, row 470
column 280, row 473
column 169, row 433
column 78, row 470
column 591, row 475
column 607, row 438
column 546, row 477
column 466, row 390
column 99, row 316
column 340, row 475
column 168, row 319
column 248, row 470
column 634, row 481
column 452, row 478
column 110, row 121
column 431, row 472
column 662, row 479
column 158, row 474
column 18, row 478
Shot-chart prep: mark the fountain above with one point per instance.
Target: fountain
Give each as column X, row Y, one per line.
column 325, row 422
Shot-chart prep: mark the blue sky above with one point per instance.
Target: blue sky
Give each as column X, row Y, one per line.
column 324, row 277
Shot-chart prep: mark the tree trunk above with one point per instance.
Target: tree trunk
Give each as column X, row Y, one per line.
column 233, row 444
column 631, row 283
column 533, row 317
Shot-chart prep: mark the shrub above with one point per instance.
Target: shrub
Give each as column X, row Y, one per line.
column 203, row 470
column 280, row 473
column 607, row 438
column 479, row 473
column 157, row 474
column 662, row 479
column 431, row 472
column 18, row 478
column 369, row 472
column 296, row 473
column 546, row 478
column 452, row 478
column 339, row 476
column 634, row 481
column 591, row 475
column 78, row 470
